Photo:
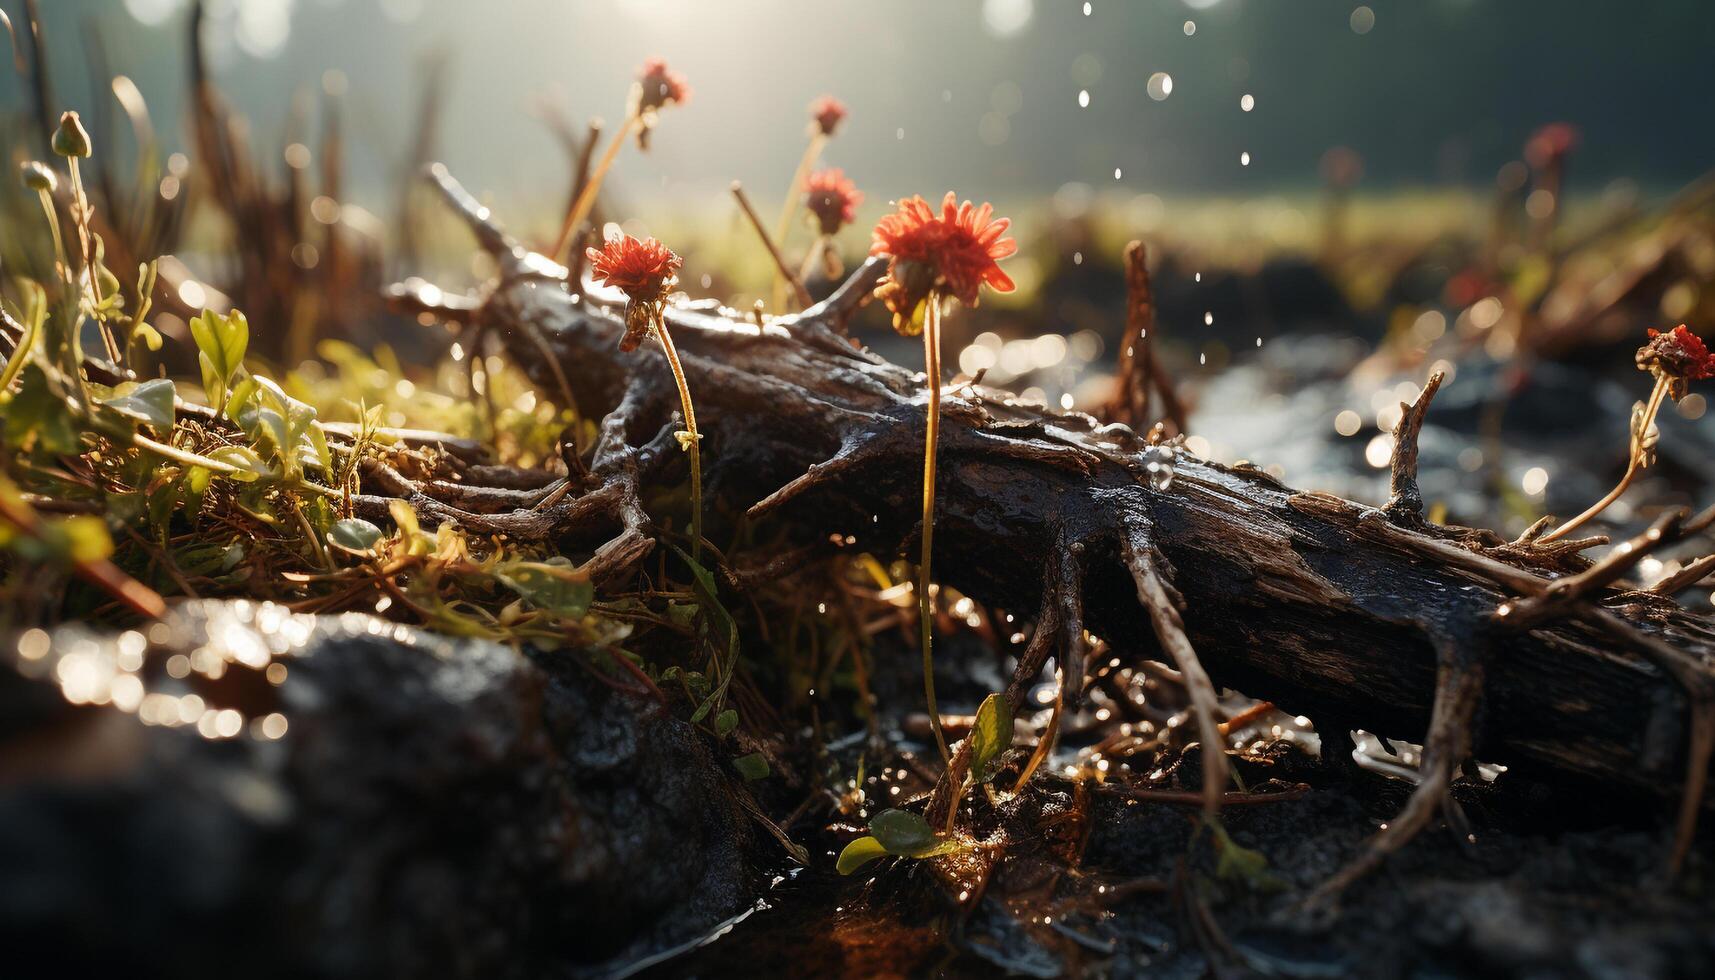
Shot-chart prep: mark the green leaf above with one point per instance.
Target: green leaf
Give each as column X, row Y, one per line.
column 250, row 465
column 551, row 586
column 725, row 722
column 404, row 517
column 859, row 853
column 35, row 408
column 752, row 767
column 146, row 335
column 221, row 342
column 1240, row 865
column 354, row 535
column 86, row 538
column 150, row 402
column 990, row 735
column 903, row 832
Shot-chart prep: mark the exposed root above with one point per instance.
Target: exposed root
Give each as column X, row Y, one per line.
column 1152, row 592
column 1458, row 688
column 1693, row 573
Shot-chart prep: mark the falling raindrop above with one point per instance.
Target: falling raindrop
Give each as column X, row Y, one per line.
column 1247, row 102
column 1086, row 10
column 1116, row 173
column 1083, row 98
column 1190, row 28
column 1158, row 466
column 1209, row 319
column 1245, row 159
column 1160, row 86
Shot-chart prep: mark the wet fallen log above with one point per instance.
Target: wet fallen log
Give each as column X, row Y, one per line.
column 1356, row 617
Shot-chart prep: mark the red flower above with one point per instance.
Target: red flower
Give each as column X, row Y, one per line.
column 954, row 253
column 661, row 85
column 1550, row 144
column 1679, row 356
column 827, row 112
column 832, row 198
column 644, row 270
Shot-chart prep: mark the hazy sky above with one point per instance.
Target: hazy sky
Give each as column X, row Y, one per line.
column 993, row 97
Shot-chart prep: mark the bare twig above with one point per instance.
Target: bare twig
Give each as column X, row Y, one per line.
column 785, row 271
column 1405, row 501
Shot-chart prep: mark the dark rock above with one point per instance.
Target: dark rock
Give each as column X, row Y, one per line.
column 433, row 807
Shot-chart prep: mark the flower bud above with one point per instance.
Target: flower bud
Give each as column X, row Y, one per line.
column 71, row 139
column 37, row 177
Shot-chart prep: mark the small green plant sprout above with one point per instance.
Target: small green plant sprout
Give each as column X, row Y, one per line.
column 832, row 200
column 900, row 833
column 991, row 736
column 221, row 339
column 1240, row 866
column 657, row 87
column 646, row 271
column 1676, row 358
column 934, row 259
column 826, row 115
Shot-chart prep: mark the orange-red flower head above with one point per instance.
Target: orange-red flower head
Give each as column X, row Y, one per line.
column 1550, row 144
column 827, row 113
column 954, row 253
column 661, row 85
column 645, row 270
column 657, row 86
column 832, row 198
column 1678, row 356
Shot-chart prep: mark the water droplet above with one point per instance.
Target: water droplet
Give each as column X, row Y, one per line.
column 1116, row 173
column 1245, row 159
column 1247, row 102
column 1083, row 98
column 1363, row 20
column 1160, row 86
column 1158, row 464
column 1190, row 28
column 1086, row 10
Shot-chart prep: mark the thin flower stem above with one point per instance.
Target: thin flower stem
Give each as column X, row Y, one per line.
column 86, row 249
column 783, row 227
column 71, row 352
column 1634, row 466
column 695, row 441
column 932, row 438
column 586, row 200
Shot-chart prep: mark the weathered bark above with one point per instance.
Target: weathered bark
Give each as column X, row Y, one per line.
column 1325, row 607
